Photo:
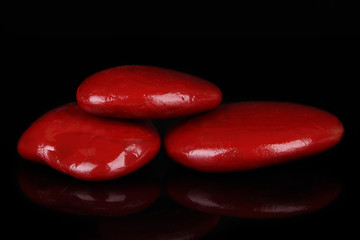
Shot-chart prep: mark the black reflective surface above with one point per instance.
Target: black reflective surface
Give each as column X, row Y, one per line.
column 310, row 198
column 166, row 201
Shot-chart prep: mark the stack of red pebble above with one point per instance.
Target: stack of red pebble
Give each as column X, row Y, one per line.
column 108, row 133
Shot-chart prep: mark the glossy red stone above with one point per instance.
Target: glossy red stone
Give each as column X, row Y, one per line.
column 88, row 147
column 241, row 136
column 146, row 92
column 61, row 193
column 263, row 195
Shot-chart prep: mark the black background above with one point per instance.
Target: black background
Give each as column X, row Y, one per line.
column 43, row 67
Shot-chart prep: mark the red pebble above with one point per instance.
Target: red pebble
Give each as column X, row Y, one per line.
column 88, row 147
column 146, row 92
column 250, row 135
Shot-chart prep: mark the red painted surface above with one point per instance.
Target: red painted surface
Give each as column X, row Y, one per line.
column 146, row 92
column 257, row 195
column 240, row 136
column 88, row 147
column 65, row 194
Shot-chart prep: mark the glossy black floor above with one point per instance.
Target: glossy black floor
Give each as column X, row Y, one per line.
column 312, row 197
column 309, row 198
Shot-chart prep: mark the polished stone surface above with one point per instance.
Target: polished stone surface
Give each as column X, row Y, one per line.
column 248, row 135
column 134, row 91
column 88, row 147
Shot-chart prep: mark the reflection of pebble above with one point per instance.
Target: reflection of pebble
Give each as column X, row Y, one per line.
column 258, row 195
column 62, row 193
column 179, row 223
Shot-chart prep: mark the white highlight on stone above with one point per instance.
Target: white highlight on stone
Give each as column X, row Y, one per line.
column 119, row 162
column 170, row 98
column 44, row 150
column 94, row 99
column 289, row 146
column 208, row 152
column 84, row 167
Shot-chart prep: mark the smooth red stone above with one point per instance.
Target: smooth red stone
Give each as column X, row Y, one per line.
column 240, row 136
column 59, row 192
column 178, row 223
column 258, row 195
column 88, row 147
column 146, row 92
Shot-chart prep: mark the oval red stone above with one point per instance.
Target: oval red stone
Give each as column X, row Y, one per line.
column 88, row 147
column 146, row 92
column 249, row 135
